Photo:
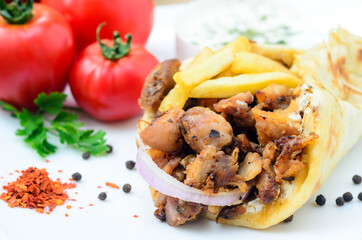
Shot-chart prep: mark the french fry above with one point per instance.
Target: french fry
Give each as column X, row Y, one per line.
column 245, row 62
column 176, row 97
column 230, row 86
column 205, row 70
column 204, row 54
column 241, row 44
column 280, row 53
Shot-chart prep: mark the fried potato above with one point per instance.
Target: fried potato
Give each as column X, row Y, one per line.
column 241, row 44
column 246, row 62
column 176, row 97
column 226, row 73
column 205, row 70
column 229, row 86
column 204, row 54
column 280, row 53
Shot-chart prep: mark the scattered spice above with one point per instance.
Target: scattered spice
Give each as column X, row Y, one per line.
column 288, row 178
column 91, row 204
column 289, row 219
column 339, row 201
column 135, row 216
column 130, row 164
column 67, row 215
column 112, row 185
column 99, row 187
column 357, row 179
column 76, row 176
column 320, row 200
column 86, row 155
column 347, row 197
column 214, row 134
column 102, row 196
column 110, row 149
column 10, row 173
column 60, row 171
column 47, row 161
column 360, row 196
column 34, row 189
column 127, row 188
column 81, row 207
column 17, row 171
column 69, row 207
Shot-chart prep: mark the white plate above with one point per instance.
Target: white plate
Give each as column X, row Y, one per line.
column 114, row 218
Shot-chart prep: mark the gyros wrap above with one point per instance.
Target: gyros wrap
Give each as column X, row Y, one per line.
column 247, row 134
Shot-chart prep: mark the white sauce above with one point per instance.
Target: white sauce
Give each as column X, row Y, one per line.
column 295, row 117
column 220, row 22
column 254, row 206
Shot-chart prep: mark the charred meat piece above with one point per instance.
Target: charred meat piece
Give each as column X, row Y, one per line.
column 274, row 97
column 231, row 212
column 211, row 169
column 179, row 212
column 238, row 107
column 269, row 154
column 246, row 146
column 164, row 132
column 287, row 163
column 202, row 127
column 158, row 83
column 267, row 187
column 271, row 126
column 250, row 167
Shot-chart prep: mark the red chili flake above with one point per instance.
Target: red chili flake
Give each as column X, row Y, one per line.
column 81, row 207
column 10, row 173
column 2, row 177
column 69, row 207
column 112, row 185
column 48, row 213
column 66, row 215
column 71, row 179
column 60, row 171
column 34, row 189
column 47, row 161
column 91, row 204
column 58, row 179
column 99, row 187
column 17, row 171
column 135, row 216
column 76, row 192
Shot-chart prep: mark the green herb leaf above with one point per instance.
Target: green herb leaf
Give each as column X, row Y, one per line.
column 51, row 103
column 36, row 127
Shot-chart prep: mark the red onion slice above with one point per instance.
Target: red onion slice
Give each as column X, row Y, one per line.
column 168, row 185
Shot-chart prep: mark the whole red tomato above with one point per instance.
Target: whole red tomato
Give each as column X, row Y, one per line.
column 106, row 82
column 36, row 52
column 126, row 16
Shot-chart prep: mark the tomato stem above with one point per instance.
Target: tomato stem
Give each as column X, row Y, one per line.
column 119, row 49
column 16, row 12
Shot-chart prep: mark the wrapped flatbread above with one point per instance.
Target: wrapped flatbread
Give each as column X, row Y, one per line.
column 249, row 139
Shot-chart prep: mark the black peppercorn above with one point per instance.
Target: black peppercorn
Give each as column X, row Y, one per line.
column 360, row 196
column 320, row 200
column 86, row 155
column 130, row 164
column 339, row 201
column 102, row 196
column 347, row 197
column 110, row 149
column 127, row 188
column 76, row 176
column 357, row 179
column 289, row 219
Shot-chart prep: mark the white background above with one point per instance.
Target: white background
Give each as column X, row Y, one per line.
column 113, row 218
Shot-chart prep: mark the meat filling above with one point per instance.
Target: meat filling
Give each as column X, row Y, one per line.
column 198, row 148
column 202, row 127
column 158, row 83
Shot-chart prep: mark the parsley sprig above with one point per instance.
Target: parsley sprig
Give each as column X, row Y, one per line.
column 52, row 119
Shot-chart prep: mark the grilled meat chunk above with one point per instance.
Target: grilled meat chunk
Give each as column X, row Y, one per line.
column 179, row 212
column 267, row 187
column 250, row 167
column 238, row 107
column 211, row 169
column 164, row 132
column 202, row 127
column 158, row 83
column 274, row 96
column 287, row 163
